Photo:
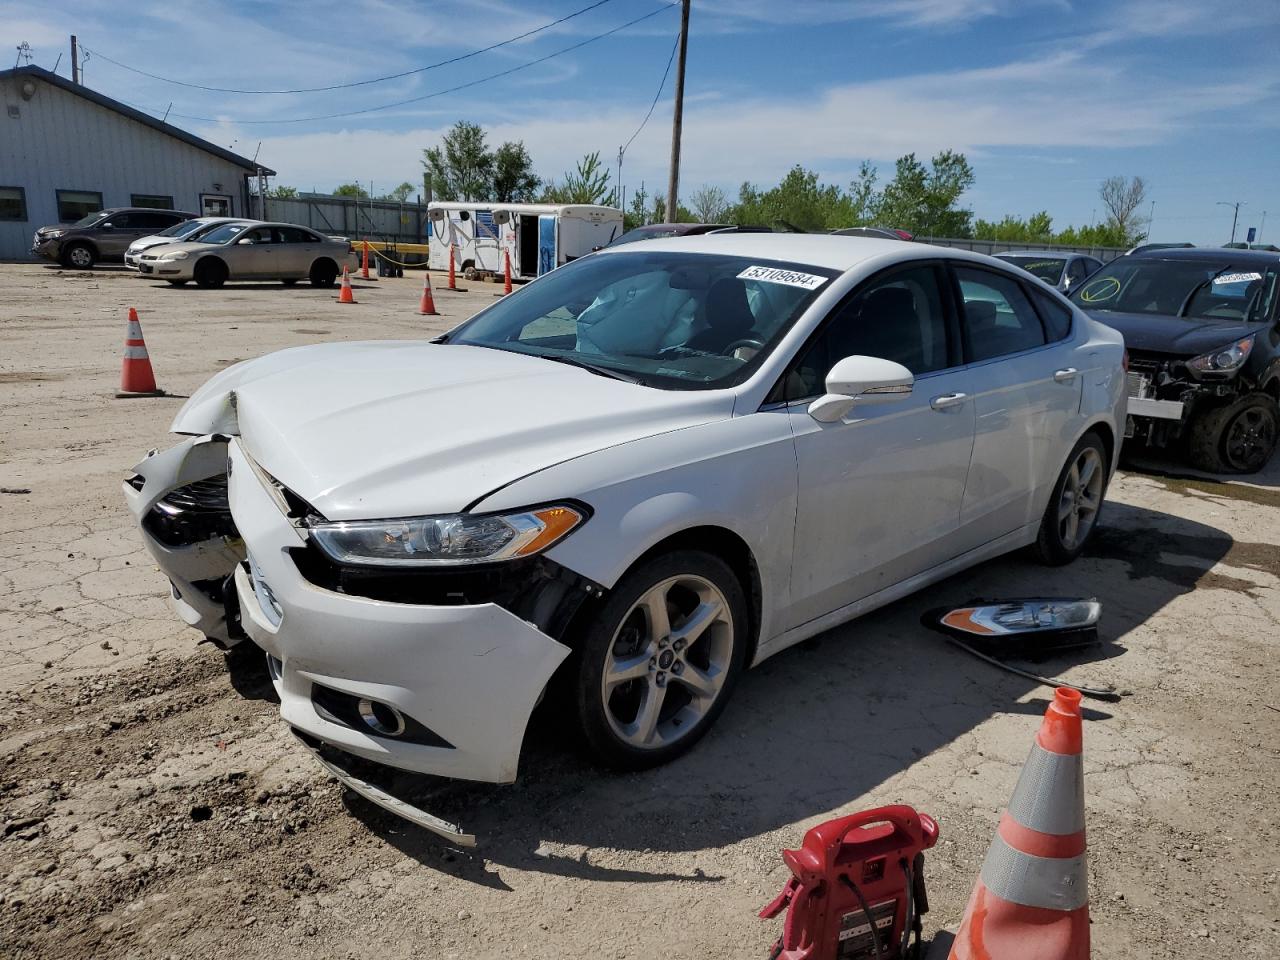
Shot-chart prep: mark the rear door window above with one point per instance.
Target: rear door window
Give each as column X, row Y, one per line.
column 1056, row 316
column 997, row 317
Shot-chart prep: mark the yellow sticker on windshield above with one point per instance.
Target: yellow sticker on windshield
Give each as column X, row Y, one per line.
column 1104, row 288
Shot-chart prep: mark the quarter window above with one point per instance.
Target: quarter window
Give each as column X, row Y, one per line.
column 153, row 200
column 13, row 203
column 74, row 205
column 998, row 318
column 296, row 235
column 898, row 317
column 1056, row 316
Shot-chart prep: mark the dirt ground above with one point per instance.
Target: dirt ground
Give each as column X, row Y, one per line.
column 154, row 805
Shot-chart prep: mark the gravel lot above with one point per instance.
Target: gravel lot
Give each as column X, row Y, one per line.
column 154, row 805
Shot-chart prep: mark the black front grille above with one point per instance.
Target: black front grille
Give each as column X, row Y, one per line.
column 192, row 514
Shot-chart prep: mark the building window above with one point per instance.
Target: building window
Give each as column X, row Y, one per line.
column 75, row 204
column 13, row 203
column 154, row 201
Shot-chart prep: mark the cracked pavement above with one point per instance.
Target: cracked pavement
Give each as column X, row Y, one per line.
column 153, row 805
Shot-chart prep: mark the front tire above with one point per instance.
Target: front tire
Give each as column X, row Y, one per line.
column 1072, row 514
column 79, row 256
column 1237, row 438
column 210, row 273
column 660, row 660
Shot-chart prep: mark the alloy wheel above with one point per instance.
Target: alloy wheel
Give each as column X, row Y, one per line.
column 1081, row 498
column 668, row 662
column 80, row 257
column 1250, row 438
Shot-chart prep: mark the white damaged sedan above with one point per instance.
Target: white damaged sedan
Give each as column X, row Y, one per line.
column 618, row 487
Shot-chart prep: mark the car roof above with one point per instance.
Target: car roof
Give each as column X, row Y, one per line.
column 1210, row 255
column 1054, row 254
column 817, row 249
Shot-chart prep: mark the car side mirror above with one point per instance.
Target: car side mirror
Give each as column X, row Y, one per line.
column 108, row 226
column 248, row 240
column 860, row 379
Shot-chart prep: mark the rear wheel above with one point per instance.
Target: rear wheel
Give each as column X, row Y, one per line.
column 660, row 660
column 210, row 272
column 1237, row 438
column 81, row 256
column 323, row 273
column 1072, row 514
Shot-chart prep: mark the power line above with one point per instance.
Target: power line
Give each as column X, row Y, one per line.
column 656, row 96
column 359, row 83
column 437, row 93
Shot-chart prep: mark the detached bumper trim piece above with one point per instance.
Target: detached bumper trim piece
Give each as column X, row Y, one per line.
column 401, row 808
column 1157, row 409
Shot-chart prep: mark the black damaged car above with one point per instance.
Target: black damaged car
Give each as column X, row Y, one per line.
column 1201, row 329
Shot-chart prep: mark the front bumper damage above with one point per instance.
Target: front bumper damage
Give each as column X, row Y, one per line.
column 1163, row 397
column 461, row 681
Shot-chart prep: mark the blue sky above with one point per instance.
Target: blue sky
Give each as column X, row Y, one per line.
column 1046, row 97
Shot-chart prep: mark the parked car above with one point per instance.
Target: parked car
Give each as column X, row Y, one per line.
column 1064, row 271
column 250, row 251
column 656, row 231
column 1146, row 247
column 182, row 230
column 876, row 233
column 1204, row 350
column 621, row 485
column 101, row 236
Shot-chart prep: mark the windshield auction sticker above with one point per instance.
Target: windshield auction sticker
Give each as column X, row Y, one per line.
column 1236, row 278
column 776, row 275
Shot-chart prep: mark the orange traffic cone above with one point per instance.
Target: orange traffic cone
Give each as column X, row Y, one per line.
column 345, row 295
column 1031, row 901
column 453, row 277
column 364, row 265
column 136, row 376
column 428, row 305
column 506, row 271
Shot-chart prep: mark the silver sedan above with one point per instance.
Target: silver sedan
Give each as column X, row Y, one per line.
column 255, row 251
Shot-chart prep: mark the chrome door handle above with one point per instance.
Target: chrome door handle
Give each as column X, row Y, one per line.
column 1065, row 375
column 948, row 400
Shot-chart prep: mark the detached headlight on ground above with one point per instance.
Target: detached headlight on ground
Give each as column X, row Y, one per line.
column 1227, row 360
column 1024, row 616
column 454, row 539
column 179, row 255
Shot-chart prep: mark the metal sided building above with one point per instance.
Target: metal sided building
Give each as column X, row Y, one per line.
column 67, row 151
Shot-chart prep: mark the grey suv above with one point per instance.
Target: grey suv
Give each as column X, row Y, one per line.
column 104, row 235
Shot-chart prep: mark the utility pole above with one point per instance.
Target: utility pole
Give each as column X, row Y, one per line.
column 1235, row 216
column 677, row 120
column 1151, row 218
column 75, row 59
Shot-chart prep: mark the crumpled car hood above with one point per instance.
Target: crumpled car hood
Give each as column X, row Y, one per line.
column 406, row 428
column 1174, row 335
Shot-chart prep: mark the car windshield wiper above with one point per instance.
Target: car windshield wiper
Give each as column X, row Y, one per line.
column 591, row 367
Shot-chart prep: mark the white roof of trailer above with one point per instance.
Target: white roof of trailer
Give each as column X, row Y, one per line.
column 529, row 208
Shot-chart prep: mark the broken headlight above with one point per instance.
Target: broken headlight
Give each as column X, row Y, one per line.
column 1229, row 359
column 452, row 539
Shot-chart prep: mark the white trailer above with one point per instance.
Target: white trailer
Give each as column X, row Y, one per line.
column 539, row 236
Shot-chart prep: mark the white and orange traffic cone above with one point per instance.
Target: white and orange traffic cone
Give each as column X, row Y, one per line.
column 136, row 376
column 453, row 277
column 427, row 307
column 1031, row 901
column 506, row 270
column 345, row 295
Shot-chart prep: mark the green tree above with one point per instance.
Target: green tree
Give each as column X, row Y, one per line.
column 401, row 193
column 1038, row 228
column 513, row 177
column 799, row 200
column 350, row 190
column 638, row 214
column 461, row 168
column 1122, row 198
column 282, row 193
column 586, row 183
column 924, row 199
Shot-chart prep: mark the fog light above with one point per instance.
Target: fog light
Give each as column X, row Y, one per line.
column 381, row 717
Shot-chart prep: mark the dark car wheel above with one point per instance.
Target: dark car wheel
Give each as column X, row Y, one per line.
column 210, row 273
column 323, row 273
column 660, row 659
column 79, row 256
column 1072, row 514
column 1237, row 438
